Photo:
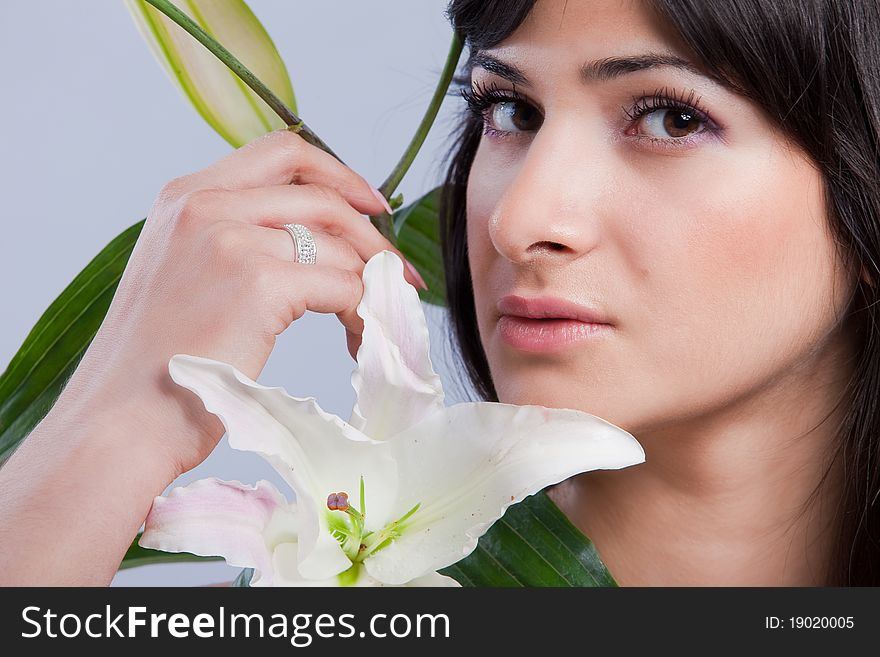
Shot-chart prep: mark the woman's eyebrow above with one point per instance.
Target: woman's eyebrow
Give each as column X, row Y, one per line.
column 600, row 70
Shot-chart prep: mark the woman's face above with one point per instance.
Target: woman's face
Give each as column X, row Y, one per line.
column 695, row 227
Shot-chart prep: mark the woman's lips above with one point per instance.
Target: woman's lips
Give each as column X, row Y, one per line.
column 542, row 324
column 550, row 308
column 543, row 335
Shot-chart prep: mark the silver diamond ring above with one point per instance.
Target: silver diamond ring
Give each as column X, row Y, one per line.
column 303, row 242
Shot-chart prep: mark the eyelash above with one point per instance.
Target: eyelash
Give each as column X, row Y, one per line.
column 480, row 99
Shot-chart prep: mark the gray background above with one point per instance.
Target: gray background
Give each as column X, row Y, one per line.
column 92, row 128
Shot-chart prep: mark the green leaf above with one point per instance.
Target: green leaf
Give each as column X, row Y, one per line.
column 140, row 556
column 39, row 370
column 218, row 94
column 417, row 227
column 532, row 544
column 244, row 578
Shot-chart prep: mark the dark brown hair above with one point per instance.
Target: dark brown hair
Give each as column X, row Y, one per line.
column 814, row 67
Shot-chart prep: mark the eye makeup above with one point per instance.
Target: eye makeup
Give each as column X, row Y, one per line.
column 482, row 98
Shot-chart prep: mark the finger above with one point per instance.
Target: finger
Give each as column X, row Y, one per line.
column 315, row 206
column 283, row 157
column 353, row 342
column 278, row 243
column 294, row 288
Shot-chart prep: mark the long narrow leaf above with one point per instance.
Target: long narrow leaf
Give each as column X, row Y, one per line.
column 140, row 556
column 39, row 370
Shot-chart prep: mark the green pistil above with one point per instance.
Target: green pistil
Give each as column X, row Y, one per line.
column 356, row 543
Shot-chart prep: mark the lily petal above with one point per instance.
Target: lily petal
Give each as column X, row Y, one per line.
column 467, row 464
column 433, row 579
column 316, row 452
column 285, row 561
column 429, row 580
column 395, row 381
column 224, row 101
column 210, row 517
column 286, row 574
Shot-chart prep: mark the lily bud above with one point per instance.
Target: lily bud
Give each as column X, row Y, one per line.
column 224, row 101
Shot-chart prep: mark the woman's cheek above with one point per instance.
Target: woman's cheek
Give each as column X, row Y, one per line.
column 741, row 275
column 487, row 185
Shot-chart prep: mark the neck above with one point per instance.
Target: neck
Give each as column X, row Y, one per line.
column 736, row 498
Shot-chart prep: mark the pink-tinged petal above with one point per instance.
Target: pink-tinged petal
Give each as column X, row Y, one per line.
column 467, row 464
column 210, row 517
column 395, row 382
column 316, row 452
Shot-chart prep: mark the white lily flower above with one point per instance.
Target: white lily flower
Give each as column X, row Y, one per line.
column 403, row 489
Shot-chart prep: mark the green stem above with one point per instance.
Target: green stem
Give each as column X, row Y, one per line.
column 393, row 180
column 384, row 222
column 293, row 122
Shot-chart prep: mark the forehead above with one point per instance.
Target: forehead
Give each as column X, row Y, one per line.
column 599, row 22
column 559, row 31
column 594, row 40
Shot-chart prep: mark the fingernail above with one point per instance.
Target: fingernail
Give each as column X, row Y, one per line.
column 415, row 272
column 384, row 201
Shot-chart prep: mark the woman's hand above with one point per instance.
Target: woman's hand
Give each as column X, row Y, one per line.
column 212, row 275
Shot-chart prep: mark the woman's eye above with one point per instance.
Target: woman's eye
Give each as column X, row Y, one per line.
column 513, row 116
column 672, row 123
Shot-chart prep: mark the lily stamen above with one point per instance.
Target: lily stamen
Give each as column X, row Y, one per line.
column 337, row 501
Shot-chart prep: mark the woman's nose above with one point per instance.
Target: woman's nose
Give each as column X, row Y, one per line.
column 552, row 206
